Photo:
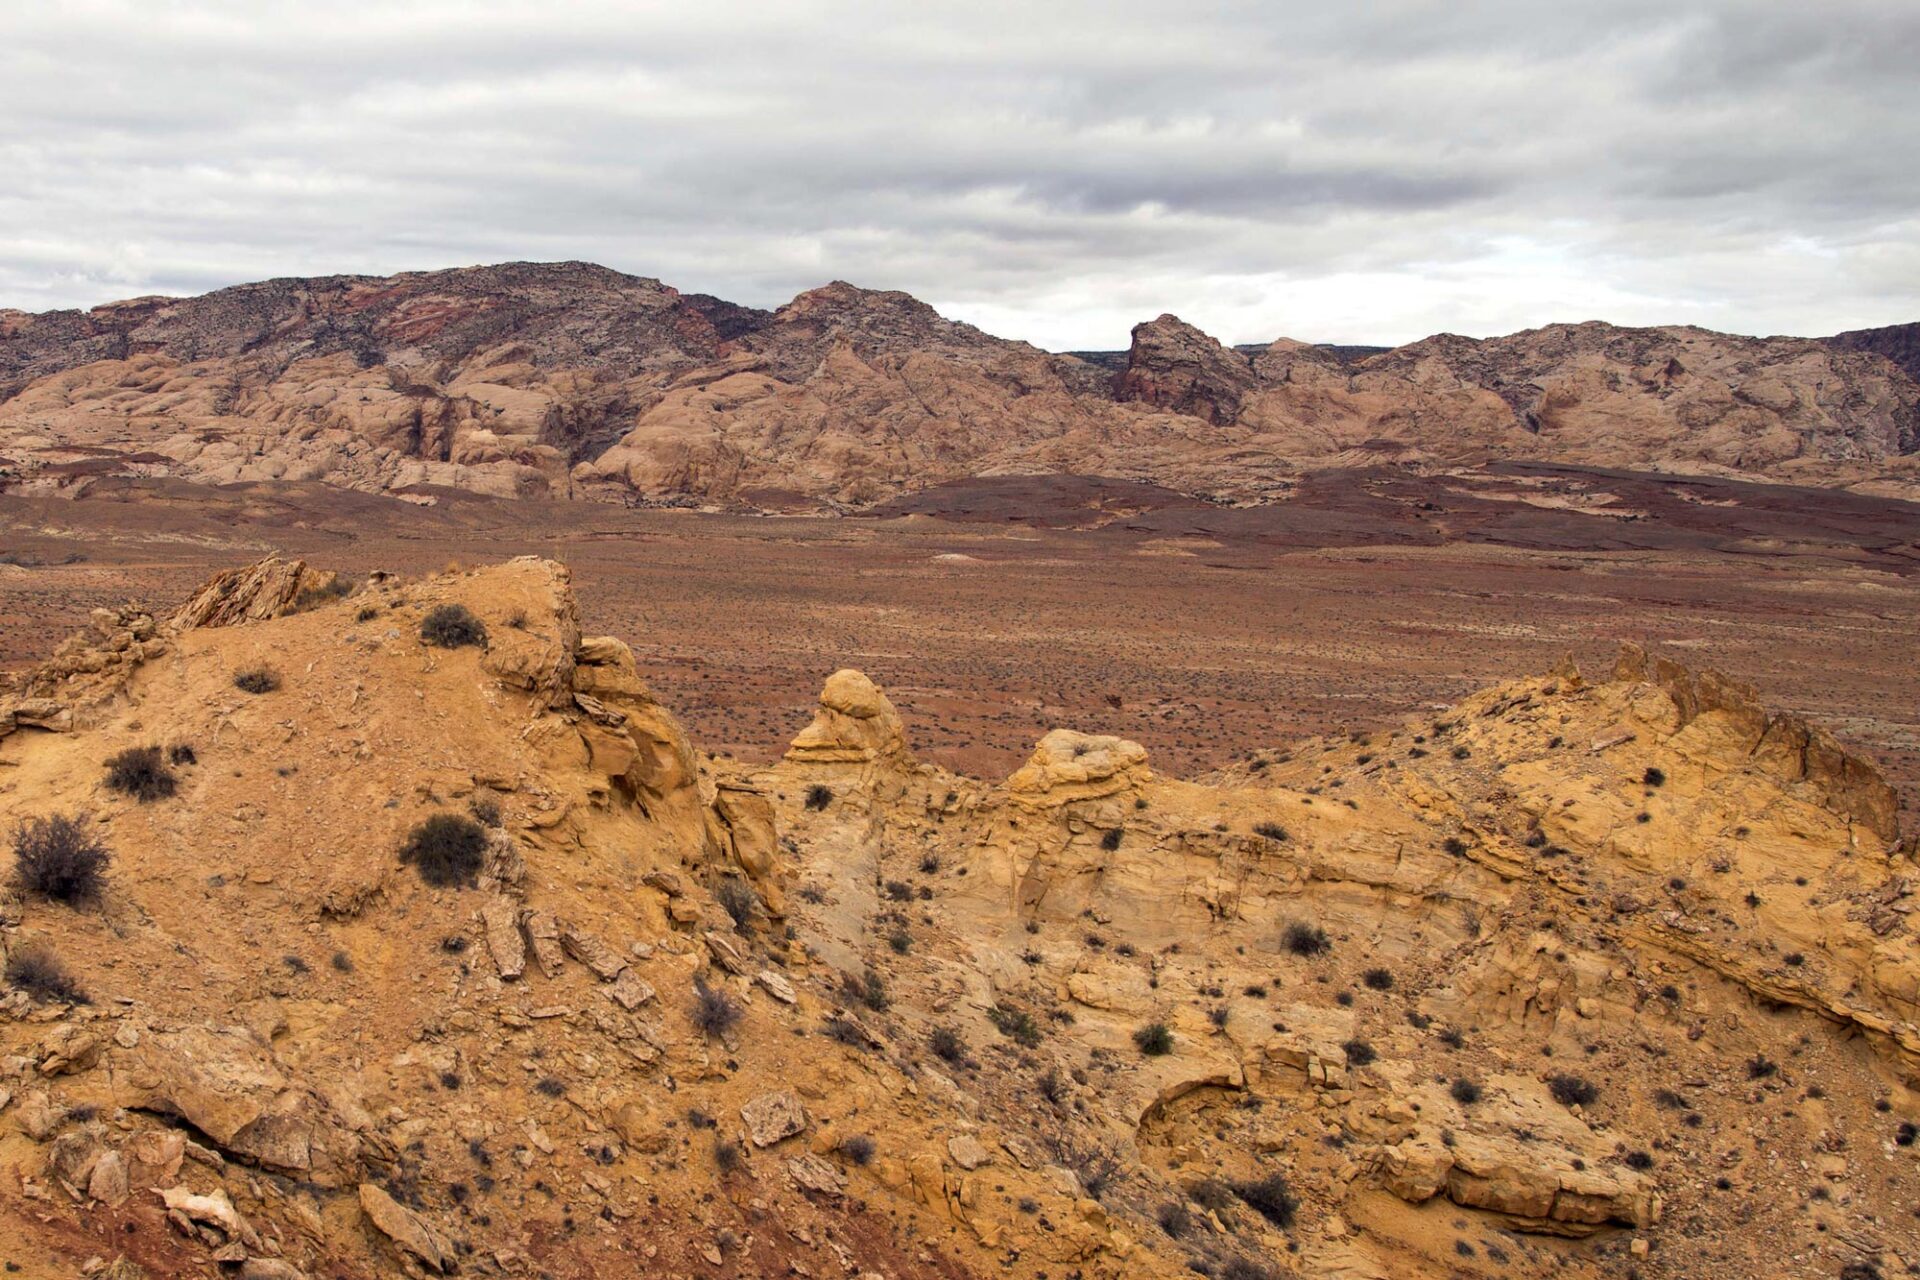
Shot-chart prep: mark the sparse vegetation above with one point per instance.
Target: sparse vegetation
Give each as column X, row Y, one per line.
column 1653, row 777
column 947, row 1045
column 1110, row 840
column 1270, row 1197
column 1271, row 830
column 714, row 1011
column 727, row 1155
column 1465, row 1092
column 36, row 970
column 1015, row 1024
column 737, row 898
column 870, row 989
column 1572, row 1091
column 1378, row 979
column 1175, row 1219
column 59, row 858
column 1359, row 1053
column 338, row 587
column 452, row 626
column 182, row 753
column 256, row 680
column 819, row 796
column 858, row 1148
column 1155, row 1039
column 447, row 850
column 486, row 811
column 141, row 772
column 1304, row 939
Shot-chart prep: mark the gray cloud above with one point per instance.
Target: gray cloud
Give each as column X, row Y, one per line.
column 1369, row 172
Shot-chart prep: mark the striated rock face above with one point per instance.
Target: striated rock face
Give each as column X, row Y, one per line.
column 1575, row 971
column 566, row 380
column 855, row 724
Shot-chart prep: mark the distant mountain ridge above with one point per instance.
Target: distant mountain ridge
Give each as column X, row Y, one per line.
column 574, row 380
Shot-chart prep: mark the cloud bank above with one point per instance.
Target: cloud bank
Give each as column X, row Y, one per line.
column 1369, row 173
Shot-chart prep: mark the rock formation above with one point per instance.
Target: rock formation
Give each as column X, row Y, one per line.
column 569, row 380
column 437, row 960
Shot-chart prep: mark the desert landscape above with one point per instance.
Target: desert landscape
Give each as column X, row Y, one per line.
column 860, row 641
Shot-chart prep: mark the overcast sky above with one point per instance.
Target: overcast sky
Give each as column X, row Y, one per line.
column 1048, row 170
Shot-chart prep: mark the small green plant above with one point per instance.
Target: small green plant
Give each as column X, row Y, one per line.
column 59, row 858
column 1155, row 1039
column 448, row 850
column 1015, row 1024
column 256, row 680
column 452, row 626
column 141, row 772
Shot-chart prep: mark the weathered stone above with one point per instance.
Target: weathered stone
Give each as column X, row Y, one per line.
column 772, row 1117
column 405, row 1228
column 501, row 918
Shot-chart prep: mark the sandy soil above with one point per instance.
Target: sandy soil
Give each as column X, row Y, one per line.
column 1202, row 633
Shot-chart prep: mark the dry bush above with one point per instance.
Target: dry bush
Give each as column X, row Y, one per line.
column 452, row 626
column 141, row 772
column 59, row 857
column 447, row 850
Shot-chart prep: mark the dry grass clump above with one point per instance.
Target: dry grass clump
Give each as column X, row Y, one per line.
column 59, row 858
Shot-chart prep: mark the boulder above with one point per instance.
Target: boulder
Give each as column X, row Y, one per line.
column 772, row 1117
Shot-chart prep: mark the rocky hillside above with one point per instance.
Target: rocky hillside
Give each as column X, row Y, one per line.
column 572, row 380
column 403, row 931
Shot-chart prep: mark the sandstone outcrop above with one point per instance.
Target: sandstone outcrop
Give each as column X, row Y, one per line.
column 1573, row 972
column 566, row 380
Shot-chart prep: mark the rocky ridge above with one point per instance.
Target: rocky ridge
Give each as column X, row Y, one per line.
column 570, row 380
column 1575, row 976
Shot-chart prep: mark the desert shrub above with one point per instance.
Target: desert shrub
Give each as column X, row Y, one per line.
column 182, row 753
column 819, row 796
column 1110, row 840
column 727, row 1155
column 843, row 1029
column 714, row 1011
column 1359, row 1053
column 901, row 941
column 1378, row 979
column 1096, row 1167
column 1053, row 1086
column 929, row 864
column 858, row 1148
column 1212, row 1193
column 899, row 891
column 256, row 680
column 35, row 970
column 1218, row 1016
column 1154, row 1039
column 1465, row 1092
column 141, row 772
column 739, row 900
column 870, row 989
column 1015, row 1024
column 1454, row 846
column 447, row 850
column 486, row 811
column 338, row 587
column 59, row 857
column 368, row 613
column 1304, row 939
column 947, row 1045
column 1454, row 1038
column 1175, row 1219
column 452, row 626
column 1760, row 1066
column 342, row 962
column 1639, row 1160
column 1570, row 1091
column 1270, row 1197
column 1271, row 830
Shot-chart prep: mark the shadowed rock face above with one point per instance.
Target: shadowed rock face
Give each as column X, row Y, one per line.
column 572, row 380
column 1899, row 343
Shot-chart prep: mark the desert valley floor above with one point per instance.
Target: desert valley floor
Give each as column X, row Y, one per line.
column 995, row 611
